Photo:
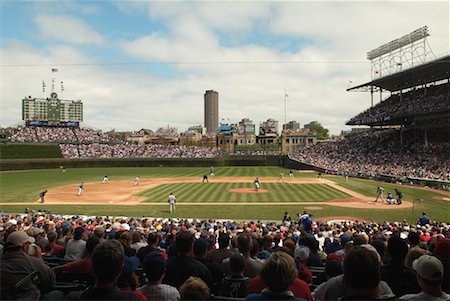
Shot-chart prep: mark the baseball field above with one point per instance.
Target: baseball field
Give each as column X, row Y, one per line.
column 229, row 194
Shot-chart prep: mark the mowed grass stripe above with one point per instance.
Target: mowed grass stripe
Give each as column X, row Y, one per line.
column 220, row 192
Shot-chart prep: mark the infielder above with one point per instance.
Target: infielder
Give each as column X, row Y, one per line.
column 105, row 179
column 281, row 178
column 137, row 181
column 42, row 195
column 172, row 201
column 256, row 182
column 291, row 173
column 80, row 189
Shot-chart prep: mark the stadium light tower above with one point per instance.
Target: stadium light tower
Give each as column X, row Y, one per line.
column 405, row 52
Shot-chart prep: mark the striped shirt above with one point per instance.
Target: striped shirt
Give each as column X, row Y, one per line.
column 160, row 292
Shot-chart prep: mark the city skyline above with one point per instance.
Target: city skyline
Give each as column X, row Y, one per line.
column 147, row 64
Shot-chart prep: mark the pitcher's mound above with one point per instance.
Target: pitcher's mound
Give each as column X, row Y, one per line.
column 248, row 190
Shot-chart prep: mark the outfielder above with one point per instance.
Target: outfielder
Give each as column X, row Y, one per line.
column 172, row 201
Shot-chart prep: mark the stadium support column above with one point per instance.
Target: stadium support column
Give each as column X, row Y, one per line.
column 371, row 96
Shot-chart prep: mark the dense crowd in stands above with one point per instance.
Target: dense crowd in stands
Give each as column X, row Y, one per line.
column 420, row 101
column 96, row 150
column 376, row 153
column 60, row 135
column 191, row 259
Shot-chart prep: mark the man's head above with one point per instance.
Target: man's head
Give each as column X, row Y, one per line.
column 397, row 248
column 20, row 240
column 154, row 266
column 279, row 271
column 184, row 242
column 430, row 271
column 107, row 261
column 200, row 247
column 244, row 242
column 361, row 269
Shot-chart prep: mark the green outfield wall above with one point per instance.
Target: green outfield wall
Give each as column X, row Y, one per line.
column 175, row 162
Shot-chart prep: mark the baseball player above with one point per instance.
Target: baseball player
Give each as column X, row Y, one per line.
column 205, row 179
column 212, row 171
column 399, row 196
column 137, row 181
column 80, row 189
column 380, row 192
column 105, row 179
column 172, row 201
column 281, row 178
column 291, row 173
column 390, row 198
column 42, row 195
column 256, row 182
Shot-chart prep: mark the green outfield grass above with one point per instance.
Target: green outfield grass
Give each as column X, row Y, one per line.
column 25, row 186
column 219, row 192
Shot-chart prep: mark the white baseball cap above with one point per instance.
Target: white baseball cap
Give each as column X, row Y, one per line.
column 429, row 267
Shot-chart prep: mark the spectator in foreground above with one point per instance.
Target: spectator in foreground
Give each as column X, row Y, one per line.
column 430, row 272
column 235, row 284
column 107, row 262
column 362, row 275
column 335, row 288
column 183, row 265
column 401, row 279
column 16, row 264
column 278, row 273
column 155, row 269
column 194, row 289
column 76, row 246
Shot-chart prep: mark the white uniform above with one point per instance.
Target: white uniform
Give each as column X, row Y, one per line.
column 105, row 179
column 172, row 201
column 137, row 181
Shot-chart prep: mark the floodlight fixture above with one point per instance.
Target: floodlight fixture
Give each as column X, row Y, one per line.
column 407, row 39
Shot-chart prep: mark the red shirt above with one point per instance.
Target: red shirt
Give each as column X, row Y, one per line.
column 299, row 288
column 58, row 250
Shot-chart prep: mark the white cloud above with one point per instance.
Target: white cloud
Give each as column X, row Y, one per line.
column 332, row 37
column 68, row 29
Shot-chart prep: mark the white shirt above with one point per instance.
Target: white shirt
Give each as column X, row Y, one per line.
column 425, row 296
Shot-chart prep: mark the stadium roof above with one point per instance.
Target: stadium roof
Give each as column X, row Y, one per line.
column 429, row 72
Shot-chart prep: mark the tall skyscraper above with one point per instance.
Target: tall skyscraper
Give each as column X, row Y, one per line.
column 211, row 110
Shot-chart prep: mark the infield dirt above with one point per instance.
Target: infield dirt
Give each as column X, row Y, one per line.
column 123, row 193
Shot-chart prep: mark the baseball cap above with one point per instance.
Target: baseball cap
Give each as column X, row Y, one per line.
column 18, row 239
column 78, row 233
column 429, row 267
column 130, row 264
column 442, row 248
column 154, row 264
column 237, row 262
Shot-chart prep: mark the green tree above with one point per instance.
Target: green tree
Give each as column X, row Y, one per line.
column 321, row 132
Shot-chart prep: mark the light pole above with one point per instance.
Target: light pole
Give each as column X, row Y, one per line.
column 285, row 125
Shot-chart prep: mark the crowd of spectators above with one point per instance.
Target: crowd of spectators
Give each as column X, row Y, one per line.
column 419, row 101
column 37, row 134
column 96, row 150
column 191, row 259
column 376, row 153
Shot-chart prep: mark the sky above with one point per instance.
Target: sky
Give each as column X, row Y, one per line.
column 147, row 64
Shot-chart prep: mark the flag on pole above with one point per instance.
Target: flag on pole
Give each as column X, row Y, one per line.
column 54, row 70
